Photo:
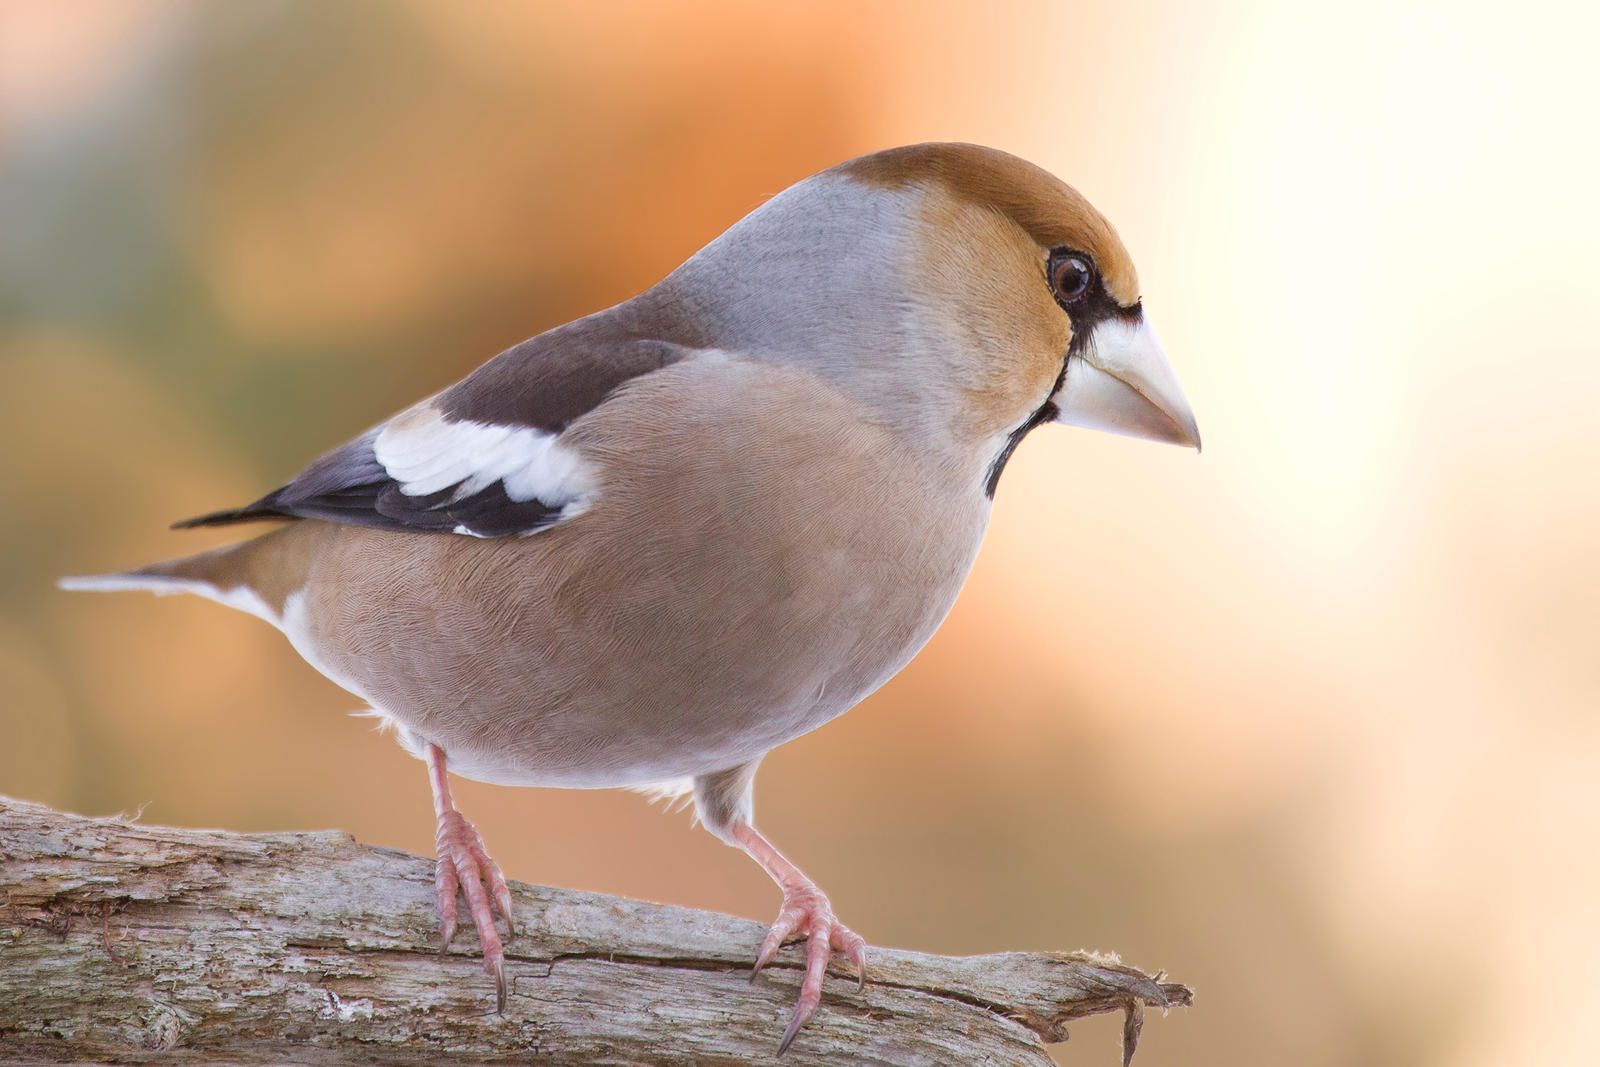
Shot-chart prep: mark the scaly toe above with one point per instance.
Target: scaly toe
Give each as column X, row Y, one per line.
column 445, row 886
column 782, row 929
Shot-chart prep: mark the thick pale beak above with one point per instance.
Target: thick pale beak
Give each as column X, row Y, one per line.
column 1123, row 383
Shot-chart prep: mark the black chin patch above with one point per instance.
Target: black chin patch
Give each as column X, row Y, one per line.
column 1041, row 415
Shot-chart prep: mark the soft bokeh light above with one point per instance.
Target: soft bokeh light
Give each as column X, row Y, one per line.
column 1310, row 721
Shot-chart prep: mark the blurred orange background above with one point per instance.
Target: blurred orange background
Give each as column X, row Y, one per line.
column 1309, row 721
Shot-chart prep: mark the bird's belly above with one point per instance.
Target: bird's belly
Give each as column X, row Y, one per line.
column 647, row 688
column 667, row 718
column 592, row 755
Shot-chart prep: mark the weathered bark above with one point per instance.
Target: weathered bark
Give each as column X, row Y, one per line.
column 128, row 943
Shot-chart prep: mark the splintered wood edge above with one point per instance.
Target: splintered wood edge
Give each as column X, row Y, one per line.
column 131, row 942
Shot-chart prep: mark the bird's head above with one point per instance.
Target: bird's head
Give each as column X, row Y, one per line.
column 965, row 294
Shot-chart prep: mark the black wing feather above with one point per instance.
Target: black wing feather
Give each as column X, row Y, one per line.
column 371, row 498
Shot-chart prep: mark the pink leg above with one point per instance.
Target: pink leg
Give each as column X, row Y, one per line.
column 464, row 864
column 805, row 910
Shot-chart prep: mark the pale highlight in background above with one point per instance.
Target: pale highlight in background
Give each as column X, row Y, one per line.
column 1310, row 721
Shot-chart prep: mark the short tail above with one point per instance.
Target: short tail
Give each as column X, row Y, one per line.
column 218, row 575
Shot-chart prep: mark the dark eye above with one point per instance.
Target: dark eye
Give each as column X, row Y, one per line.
column 1070, row 275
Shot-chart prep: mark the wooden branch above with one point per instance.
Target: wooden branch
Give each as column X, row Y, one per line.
column 127, row 943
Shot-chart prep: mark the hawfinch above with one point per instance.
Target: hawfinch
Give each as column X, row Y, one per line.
column 646, row 547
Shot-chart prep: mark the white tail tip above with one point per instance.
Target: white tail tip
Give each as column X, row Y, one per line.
column 112, row 583
column 240, row 597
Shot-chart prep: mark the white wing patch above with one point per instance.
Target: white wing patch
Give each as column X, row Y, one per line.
column 426, row 453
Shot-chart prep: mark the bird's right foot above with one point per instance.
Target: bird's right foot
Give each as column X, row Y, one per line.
column 464, row 865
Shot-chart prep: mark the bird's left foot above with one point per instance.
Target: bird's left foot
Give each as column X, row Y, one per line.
column 806, row 911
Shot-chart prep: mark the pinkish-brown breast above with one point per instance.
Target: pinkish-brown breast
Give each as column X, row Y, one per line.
column 714, row 601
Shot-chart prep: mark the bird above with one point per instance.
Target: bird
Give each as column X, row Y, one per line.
column 646, row 547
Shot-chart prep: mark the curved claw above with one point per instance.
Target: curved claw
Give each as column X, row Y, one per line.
column 496, row 966
column 854, row 946
column 796, row 1021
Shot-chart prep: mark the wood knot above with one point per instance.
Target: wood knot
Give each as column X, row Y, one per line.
column 164, row 1028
